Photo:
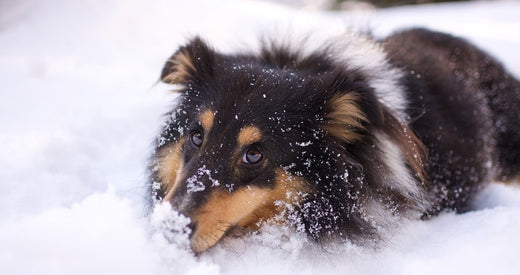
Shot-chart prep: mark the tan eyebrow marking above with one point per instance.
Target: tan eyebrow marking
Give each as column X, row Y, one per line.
column 248, row 135
column 206, row 119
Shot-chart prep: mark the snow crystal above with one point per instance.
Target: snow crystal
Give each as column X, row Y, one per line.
column 170, row 236
column 193, row 184
column 172, row 225
column 304, row 144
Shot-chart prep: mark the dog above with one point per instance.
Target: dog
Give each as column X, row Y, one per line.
column 336, row 139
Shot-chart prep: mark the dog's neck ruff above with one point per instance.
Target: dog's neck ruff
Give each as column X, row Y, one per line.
column 354, row 51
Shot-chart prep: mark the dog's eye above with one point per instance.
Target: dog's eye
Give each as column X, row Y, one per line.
column 196, row 138
column 252, row 156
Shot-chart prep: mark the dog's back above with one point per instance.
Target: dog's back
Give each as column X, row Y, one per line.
column 464, row 107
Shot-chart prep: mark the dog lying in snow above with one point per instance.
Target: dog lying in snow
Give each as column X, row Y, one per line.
column 336, row 139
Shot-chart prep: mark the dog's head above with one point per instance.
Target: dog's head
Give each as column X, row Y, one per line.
column 255, row 133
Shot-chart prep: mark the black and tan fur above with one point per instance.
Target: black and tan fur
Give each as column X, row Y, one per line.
column 337, row 140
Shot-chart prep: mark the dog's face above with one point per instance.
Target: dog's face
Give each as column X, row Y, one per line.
column 252, row 135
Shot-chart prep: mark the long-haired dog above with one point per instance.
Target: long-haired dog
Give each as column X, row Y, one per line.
column 335, row 140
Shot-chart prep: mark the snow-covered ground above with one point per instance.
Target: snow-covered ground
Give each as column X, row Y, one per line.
column 80, row 107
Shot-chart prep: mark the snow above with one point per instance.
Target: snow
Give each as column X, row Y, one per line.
column 81, row 107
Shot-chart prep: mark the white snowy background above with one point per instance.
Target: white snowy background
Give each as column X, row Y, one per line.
column 80, row 107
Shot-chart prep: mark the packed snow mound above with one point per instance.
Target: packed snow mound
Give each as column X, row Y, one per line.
column 103, row 234
column 81, row 107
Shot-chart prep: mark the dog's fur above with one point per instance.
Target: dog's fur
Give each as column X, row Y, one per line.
column 334, row 141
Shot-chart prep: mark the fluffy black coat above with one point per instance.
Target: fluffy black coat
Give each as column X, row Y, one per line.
column 467, row 113
column 420, row 130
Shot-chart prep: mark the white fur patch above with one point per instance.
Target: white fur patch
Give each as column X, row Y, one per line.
column 359, row 52
column 400, row 177
column 379, row 215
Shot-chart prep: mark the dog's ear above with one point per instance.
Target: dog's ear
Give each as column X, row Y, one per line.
column 348, row 117
column 412, row 148
column 344, row 118
column 192, row 62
